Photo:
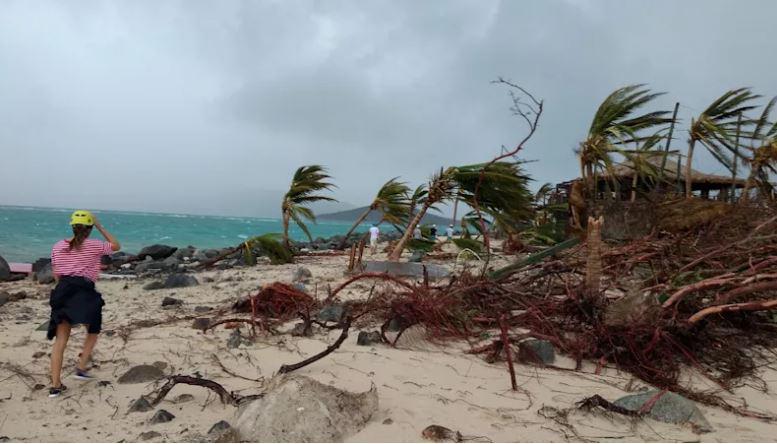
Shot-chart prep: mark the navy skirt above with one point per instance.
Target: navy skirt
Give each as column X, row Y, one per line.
column 74, row 300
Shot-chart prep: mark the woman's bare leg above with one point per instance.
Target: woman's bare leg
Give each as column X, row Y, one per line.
column 89, row 343
column 58, row 353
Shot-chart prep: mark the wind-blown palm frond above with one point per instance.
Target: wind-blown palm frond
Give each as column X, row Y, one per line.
column 308, row 180
column 541, row 195
column 271, row 245
column 392, row 201
column 614, row 127
column 715, row 128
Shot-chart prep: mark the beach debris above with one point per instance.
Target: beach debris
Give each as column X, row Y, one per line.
column 536, row 351
column 156, row 251
column 168, row 301
column 301, row 274
column 161, row 416
column 140, row 405
column 279, row 301
column 346, row 324
column 406, row 269
column 369, row 338
column 141, row 373
column 230, row 398
column 45, row 275
column 438, row 433
column 180, row 280
column 300, row 409
column 5, row 269
column 201, row 323
column 635, row 308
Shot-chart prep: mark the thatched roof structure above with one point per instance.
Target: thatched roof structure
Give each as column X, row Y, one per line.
column 625, row 172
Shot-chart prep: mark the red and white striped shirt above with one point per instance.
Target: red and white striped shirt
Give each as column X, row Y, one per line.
column 83, row 261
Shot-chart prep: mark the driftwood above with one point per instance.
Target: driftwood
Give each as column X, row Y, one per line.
column 230, row 398
column 508, row 351
column 286, row 368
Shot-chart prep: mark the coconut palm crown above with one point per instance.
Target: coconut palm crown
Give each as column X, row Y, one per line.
column 392, row 201
column 308, row 180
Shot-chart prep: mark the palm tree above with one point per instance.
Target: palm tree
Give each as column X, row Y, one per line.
column 714, row 128
column 764, row 151
column 614, row 127
column 503, row 194
column 392, row 201
column 307, row 181
column 641, row 162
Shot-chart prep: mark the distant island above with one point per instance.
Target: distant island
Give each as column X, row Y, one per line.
column 352, row 215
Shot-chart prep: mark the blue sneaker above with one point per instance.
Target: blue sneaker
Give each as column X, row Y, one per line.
column 82, row 375
column 54, row 392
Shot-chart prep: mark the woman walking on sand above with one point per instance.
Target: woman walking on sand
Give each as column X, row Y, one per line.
column 76, row 266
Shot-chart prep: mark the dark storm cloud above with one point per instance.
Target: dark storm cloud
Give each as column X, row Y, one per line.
column 209, row 106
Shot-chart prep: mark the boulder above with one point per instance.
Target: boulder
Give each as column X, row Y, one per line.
column 180, row 280
column 299, row 409
column 301, row 274
column 161, row 416
column 670, row 407
column 222, row 431
column 536, row 351
column 45, row 275
column 157, row 251
column 141, row 373
column 167, row 301
column 40, row 263
column 331, row 313
column 183, row 253
column 5, row 269
column 368, row 338
column 171, row 263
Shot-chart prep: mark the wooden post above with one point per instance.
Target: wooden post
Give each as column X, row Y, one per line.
column 668, row 142
column 736, row 155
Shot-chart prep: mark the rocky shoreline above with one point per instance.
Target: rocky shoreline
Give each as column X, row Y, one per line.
column 165, row 259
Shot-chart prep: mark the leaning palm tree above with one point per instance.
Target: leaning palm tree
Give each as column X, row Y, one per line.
column 392, row 201
column 642, row 163
column 502, row 193
column 714, row 128
column 614, row 126
column 764, row 152
column 307, row 181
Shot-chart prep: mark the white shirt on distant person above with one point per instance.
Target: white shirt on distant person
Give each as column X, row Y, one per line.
column 449, row 232
column 374, row 232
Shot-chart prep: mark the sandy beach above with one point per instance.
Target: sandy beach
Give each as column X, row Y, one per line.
column 419, row 382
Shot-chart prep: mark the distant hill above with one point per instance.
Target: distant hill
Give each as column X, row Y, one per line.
column 351, row 215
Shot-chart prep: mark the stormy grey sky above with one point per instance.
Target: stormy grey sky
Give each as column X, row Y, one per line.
column 208, row 107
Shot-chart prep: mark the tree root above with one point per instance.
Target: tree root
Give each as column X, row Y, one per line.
column 230, row 398
column 286, row 368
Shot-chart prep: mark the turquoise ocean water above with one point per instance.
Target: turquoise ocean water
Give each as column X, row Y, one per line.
column 27, row 233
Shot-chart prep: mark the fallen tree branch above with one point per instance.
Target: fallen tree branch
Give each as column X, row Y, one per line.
column 286, row 368
column 705, row 284
column 508, row 351
column 744, row 306
column 747, row 289
column 226, row 397
column 227, row 321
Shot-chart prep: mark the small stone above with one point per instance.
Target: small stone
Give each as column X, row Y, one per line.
column 388, row 421
column 235, row 339
column 147, row 436
column 140, row 405
column 180, row 280
column 219, row 427
column 171, row 301
column 368, row 338
column 201, row 323
column 301, row 274
column 39, row 387
column 155, row 285
column 161, row 365
column 202, row 309
column 43, row 327
column 161, row 416
column 38, row 354
column 141, row 373
column 183, row 398
column 331, row 313
column 536, row 351
column 300, row 330
column 670, row 407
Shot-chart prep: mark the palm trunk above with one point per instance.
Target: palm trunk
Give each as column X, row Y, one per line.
column 397, row 252
column 748, row 185
column 634, row 187
column 286, row 229
column 688, row 171
column 455, row 208
column 353, row 227
column 593, row 269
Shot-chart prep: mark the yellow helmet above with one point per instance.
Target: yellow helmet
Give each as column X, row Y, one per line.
column 82, row 217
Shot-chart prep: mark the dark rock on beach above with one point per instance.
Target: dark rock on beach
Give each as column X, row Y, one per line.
column 331, row 313
column 368, row 338
column 301, row 274
column 40, row 263
column 167, row 301
column 180, row 280
column 45, row 275
column 157, row 251
column 141, row 373
column 201, row 323
column 140, row 405
column 5, row 269
column 536, row 351
column 155, row 285
column 161, row 416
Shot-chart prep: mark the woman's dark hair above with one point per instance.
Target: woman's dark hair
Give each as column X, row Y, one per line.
column 80, row 233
